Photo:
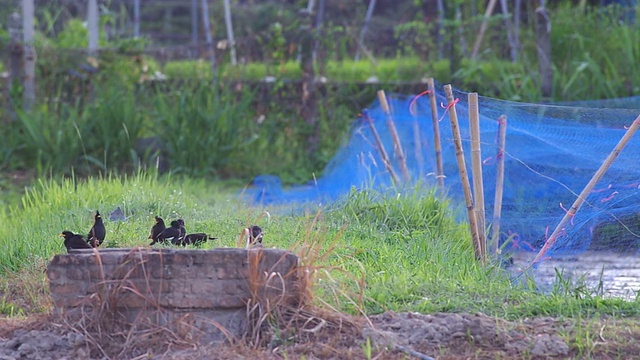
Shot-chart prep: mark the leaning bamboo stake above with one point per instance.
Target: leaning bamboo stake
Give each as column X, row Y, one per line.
column 497, row 202
column 383, row 152
column 587, row 189
column 462, row 169
column 476, row 170
column 483, row 29
column 436, row 133
column 397, row 146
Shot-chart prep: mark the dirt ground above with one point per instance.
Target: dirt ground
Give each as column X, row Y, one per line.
column 442, row 336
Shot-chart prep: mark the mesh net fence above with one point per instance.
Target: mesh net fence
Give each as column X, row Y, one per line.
column 552, row 152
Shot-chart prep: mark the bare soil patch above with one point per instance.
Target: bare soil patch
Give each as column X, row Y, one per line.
column 391, row 336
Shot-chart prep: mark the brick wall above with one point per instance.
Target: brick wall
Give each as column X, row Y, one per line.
column 212, row 287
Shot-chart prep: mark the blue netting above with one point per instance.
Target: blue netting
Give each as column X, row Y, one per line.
column 552, row 152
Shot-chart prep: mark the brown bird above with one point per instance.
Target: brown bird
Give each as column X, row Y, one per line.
column 98, row 232
column 156, row 230
column 74, row 241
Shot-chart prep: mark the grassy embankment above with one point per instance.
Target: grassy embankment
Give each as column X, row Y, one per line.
column 406, row 248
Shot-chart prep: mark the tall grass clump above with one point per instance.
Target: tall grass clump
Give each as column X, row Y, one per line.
column 56, row 136
column 201, row 131
column 202, row 128
column 412, row 249
column 595, row 57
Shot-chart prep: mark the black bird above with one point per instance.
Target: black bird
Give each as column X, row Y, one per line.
column 98, row 232
column 74, row 241
column 156, row 230
column 254, row 236
column 183, row 231
column 196, row 239
column 171, row 234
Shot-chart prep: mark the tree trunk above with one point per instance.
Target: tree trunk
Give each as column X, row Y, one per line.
column 230, row 38
column 29, row 96
column 543, row 45
column 309, row 110
column 209, row 39
column 363, row 32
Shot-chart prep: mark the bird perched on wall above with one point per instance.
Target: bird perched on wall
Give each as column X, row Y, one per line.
column 185, row 239
column 196, row 239
column 183, row 232
column 74, row 241
column 156, row 230
column 171, row 234
column 98, row 232
column 253, row 236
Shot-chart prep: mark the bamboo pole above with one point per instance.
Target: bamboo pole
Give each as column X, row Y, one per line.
column 462, row 169
column 543, row 47
column 365, row 26
column 397, row 146
column 587, row 189
column 436, row 133
column 463, row 41
column 194, row 22
column 511, row 33
column 194, row 28
column 230, row 37
column 209, row 39
column 29, row 56
column 497, row 202
column 381, row 149
column 317, row 30
column 476, row 170
column 93, row 26
column 483, row 29
column 136, row 18
column 440, row 28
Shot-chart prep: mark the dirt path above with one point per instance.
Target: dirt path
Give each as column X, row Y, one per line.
column 393, row 336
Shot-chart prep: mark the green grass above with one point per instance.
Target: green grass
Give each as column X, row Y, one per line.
column 595, row 57
column 404, row 247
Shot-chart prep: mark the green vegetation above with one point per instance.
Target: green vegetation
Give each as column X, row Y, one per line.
column 195, row 130
column 587, row 64
column 92, row 139
column 97, row 123
column 594, row 57
column 406, row 247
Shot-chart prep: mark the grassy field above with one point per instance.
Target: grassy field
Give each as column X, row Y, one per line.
column 373, row 251
column 404, row 247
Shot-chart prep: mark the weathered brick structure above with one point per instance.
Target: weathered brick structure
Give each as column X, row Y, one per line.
column 209, row 287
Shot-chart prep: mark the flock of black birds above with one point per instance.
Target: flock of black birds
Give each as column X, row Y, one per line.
column 175, row 234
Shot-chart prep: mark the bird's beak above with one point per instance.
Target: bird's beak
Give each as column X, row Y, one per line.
column 61, row 235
